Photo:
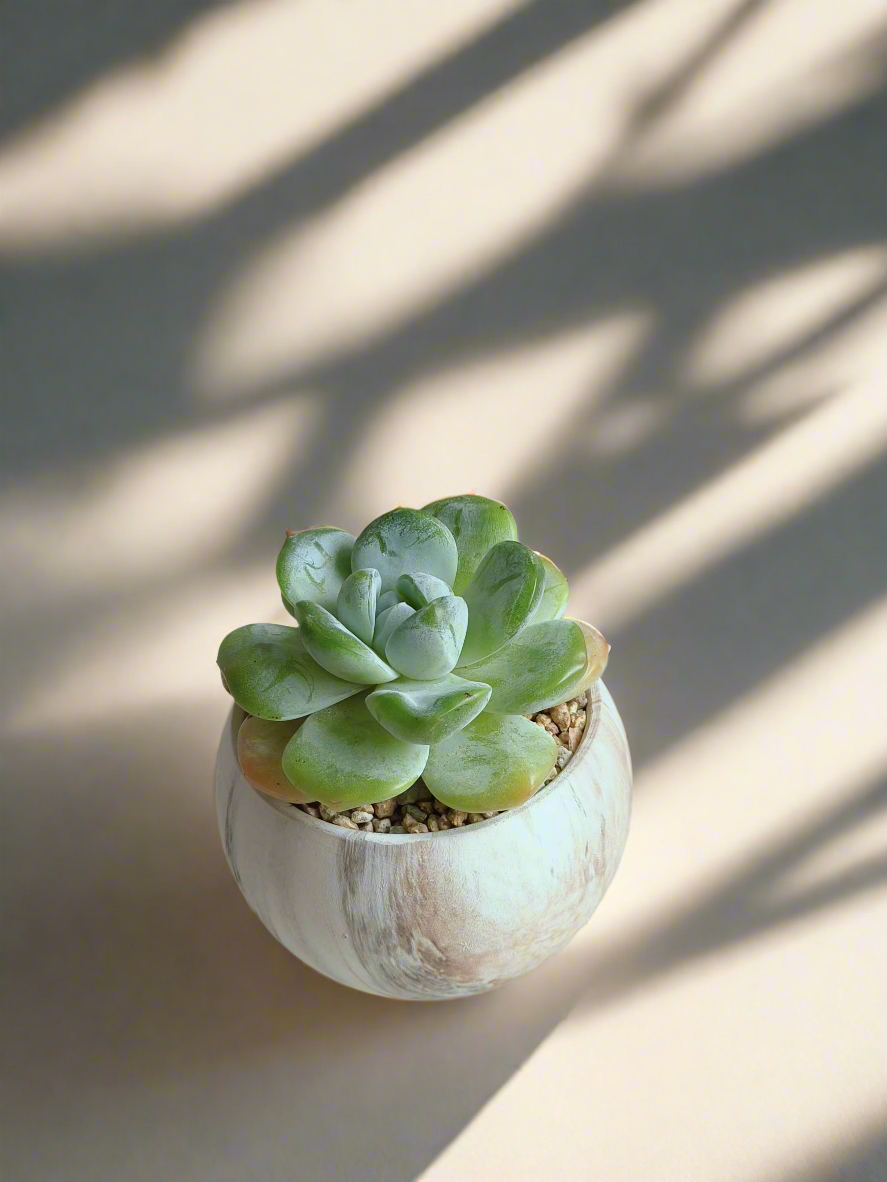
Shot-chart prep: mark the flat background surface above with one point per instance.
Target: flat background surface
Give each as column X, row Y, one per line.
column 274, row 264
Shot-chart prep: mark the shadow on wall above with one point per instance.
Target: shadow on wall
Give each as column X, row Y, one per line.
column 862, row 1162
column 97, row 377
column 136, row 970
column 54, row 50
column 156, row 289
column 718, row 636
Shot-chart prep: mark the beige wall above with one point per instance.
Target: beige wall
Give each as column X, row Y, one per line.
column 283, row 262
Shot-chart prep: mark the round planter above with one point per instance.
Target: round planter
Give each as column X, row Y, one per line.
column 439, row 915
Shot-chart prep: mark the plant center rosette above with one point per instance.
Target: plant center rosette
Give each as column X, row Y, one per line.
column 423, row 651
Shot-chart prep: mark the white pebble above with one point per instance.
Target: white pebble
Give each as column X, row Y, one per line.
column 361, row 817
column 344, row 822
column 560, row 715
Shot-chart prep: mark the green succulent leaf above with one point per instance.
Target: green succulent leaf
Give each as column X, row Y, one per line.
column 598, row 653
column 506, row 590
column 343, row 757
column 406, row 541
column 427, row 644
column 260, row 745
column 386, row 599
column 476, row 523
column 313, row 564
column 269, row 673
column 386, row 623
column 419, row 590
column 544, row 664
column 427, row 711
column 356, row 605
column 337, row 649
column 497, row 761
column 555, row 593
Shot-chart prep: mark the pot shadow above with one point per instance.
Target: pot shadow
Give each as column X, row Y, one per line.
column 139, row 982
column 143, row 990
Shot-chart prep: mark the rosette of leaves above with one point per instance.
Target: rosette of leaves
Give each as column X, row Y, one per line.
column 420, row 647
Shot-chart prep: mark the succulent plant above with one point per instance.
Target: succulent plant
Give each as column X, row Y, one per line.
column 421, row 645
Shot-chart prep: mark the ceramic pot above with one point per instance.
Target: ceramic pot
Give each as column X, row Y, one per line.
column 434, row 915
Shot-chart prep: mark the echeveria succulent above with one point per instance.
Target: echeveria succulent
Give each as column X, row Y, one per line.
column 420, row 647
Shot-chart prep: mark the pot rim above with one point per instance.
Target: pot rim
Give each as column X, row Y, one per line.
column 292, row 812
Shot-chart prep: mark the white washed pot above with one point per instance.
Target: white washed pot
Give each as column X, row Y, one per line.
column 436, row 915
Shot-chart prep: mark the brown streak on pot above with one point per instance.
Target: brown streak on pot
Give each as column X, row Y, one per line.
column 408, row 953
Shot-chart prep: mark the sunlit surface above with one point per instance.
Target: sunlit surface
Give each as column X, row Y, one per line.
column 237, row 92
column 798, row 466
column 286, row 263
column 447, row 437
column 107, row 530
